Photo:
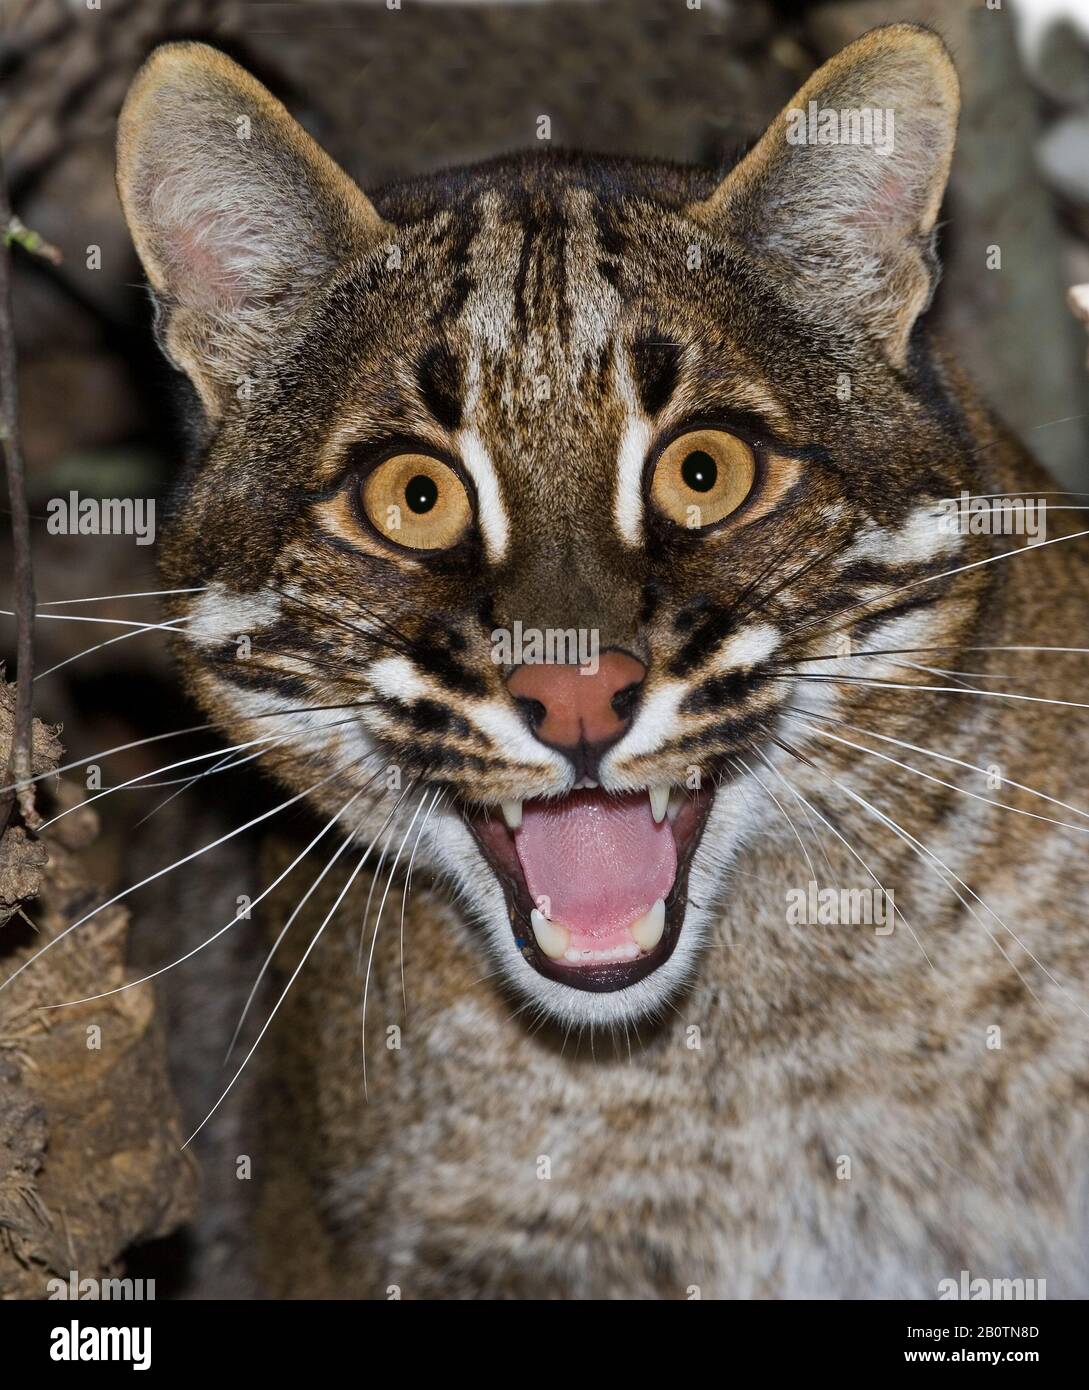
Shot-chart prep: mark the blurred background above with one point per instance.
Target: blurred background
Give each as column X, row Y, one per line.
column 391, row 92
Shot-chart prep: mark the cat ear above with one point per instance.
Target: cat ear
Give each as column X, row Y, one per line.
column 840, row 195
column 236, row 213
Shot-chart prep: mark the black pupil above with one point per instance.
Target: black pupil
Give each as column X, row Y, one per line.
column 421, row 493
column 699, row 471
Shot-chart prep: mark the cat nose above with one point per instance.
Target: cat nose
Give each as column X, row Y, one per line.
column 576, row 710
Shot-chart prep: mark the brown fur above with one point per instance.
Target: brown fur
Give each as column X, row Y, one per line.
column 673, row 1167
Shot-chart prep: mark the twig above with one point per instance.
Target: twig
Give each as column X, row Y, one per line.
column 17, row 231
column 21, row 755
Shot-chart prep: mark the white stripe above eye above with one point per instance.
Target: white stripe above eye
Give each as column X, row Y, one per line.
column 493, row 516
column 634, row 443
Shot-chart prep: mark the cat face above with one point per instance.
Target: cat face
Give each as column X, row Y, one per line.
column 528, row 489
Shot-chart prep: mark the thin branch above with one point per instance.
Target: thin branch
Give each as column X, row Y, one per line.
column 21, row 757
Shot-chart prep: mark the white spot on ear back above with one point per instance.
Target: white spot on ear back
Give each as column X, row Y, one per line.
column 493, row 516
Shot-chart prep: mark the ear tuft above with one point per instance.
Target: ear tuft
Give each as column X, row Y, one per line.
column 841, row 194
column 236, row 213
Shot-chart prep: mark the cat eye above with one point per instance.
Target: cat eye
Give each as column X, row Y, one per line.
column 416, row 501
column 701, row 477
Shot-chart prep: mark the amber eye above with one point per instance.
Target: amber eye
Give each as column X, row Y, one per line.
column 417, row 501
column 701, row 477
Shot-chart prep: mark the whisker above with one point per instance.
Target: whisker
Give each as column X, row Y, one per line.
column 852, row 851
column 162, row 970
column 224, row 765
column 367, row 908
column 940, row 647
column 276, row 1007
column 174, row 626
column 134, row 781
column 945, row 574
column 922, row 850
column 933, row 689
column 342, row 622
column 111, row 622
column 160, row 872
column 439, row 795
column 105, row 598
column 948, row 758
column 779, row 805
column 178, row 733
column 287, row 925
column 801, row 802
column 941, row 782
column 374, row 937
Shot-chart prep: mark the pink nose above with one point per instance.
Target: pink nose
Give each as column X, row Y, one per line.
column 570, row 708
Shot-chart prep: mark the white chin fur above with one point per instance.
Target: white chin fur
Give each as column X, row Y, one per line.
column 455, row 853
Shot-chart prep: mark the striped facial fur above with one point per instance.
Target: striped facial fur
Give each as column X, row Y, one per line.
column 674, row 428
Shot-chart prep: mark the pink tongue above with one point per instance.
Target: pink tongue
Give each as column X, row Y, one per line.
column 600, row 861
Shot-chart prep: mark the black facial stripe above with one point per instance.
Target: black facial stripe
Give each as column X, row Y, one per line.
column 426, row 716
column 435, row 653
column 440, row 385
column 657, row 365
column 727, row 689
column 707, row 636
column 239, row 672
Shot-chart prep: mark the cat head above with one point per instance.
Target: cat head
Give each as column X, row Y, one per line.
column 525, row 488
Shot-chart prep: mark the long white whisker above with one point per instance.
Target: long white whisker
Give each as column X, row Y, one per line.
column 768, row 792
column 135, row 781
column 945, row 574
column 959, row 762
column 98, row 646
column 367, row 908
column 408, row 884
column 154, row 975
column 374, row 939
column 224, row 765
column 179, row 733
column 801, row 802
column 117, row 897
column 919, row 848
column 294, row 913
column 938, row 647
column 106, row 598
column 851, row 850
column 110, row 622
column 934, row 689
column 294, row 976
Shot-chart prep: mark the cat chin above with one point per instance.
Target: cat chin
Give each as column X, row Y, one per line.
column 456, row 853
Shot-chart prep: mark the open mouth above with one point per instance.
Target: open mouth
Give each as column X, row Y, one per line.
column 596, row 884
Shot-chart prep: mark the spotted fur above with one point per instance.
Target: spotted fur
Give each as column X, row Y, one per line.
column 546, row 322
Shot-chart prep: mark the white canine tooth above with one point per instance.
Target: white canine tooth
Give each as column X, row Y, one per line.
column 659, row 800
column 512, row 813
column 676, row 802
column 552, row 938
column 649, row 928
